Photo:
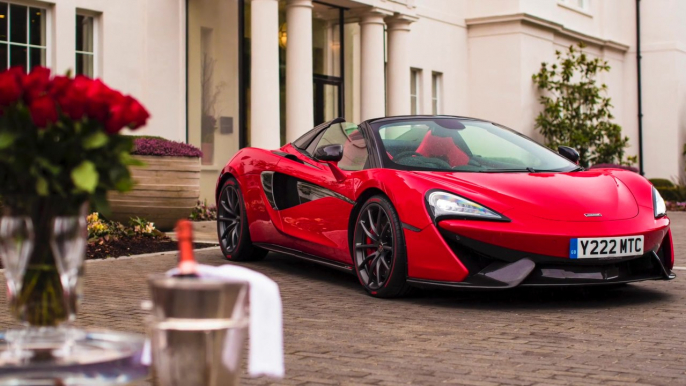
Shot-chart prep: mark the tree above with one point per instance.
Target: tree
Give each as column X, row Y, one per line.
column 575, row 111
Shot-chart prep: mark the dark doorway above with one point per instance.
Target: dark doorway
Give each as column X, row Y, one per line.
column 328, row 62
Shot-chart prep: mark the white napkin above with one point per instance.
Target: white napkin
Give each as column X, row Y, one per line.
column 266, row 320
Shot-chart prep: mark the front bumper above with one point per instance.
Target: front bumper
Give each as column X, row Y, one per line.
column 497, row 258
column 525, row 273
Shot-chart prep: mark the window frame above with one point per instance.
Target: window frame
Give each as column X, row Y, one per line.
column 575, row 5
column 415, row 80
column 47, row 10
column 96, row 40
column 314, row 145
column 387, row 163
column 436, row 93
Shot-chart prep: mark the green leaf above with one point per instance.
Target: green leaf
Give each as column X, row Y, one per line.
column 45, row 164
column 85, row 176
column 101, row 205
column 126, row 159
column 95, row 140
column 41, row 186
column 6, row 139
column 124, row 185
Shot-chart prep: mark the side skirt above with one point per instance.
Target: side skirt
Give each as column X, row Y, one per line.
column 306, row 256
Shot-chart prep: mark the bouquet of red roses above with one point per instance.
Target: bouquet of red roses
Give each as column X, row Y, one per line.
column 59, row 136
column 60, row 150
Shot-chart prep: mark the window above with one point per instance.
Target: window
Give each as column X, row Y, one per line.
column 580, row 4
column 85, row 45
column 415, row 75
column 22, row 36
column 355, row 153
column 436, row 92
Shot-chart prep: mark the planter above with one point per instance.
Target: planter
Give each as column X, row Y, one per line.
column 166, row 190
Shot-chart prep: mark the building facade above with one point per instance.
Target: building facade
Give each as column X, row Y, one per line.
column 224, row 74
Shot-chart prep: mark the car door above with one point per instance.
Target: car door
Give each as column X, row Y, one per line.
column 320, row 194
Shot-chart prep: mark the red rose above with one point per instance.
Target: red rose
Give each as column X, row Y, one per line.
column 73, row 98
column 117, row 117
column 43, row 111
column 100, row 99
column 36, row 83
column 11, row 85
column 138, row 115
column 126, row 112
column 59, row 86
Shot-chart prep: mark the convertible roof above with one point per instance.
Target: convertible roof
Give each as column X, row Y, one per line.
column 401, row 117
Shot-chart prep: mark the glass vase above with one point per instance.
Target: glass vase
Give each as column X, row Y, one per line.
column 41, row 301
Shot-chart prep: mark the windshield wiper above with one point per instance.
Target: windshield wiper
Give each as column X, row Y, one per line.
column 527, row 170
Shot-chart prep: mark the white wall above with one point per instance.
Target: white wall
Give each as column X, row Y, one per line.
column 438, row 43
column 141, row 52
column 664, row 86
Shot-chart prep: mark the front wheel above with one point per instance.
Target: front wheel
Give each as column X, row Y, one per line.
column 379, row 252
column 232, row 225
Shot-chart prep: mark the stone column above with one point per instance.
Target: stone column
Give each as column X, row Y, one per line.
column 373, row 101
column 398, row 71
column 264, row 75
column 299, row 94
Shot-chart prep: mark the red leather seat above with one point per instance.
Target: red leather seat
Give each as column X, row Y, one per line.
column 433, row 146
column 354, row 152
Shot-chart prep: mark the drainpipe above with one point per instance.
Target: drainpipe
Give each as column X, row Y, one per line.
column 638, row 68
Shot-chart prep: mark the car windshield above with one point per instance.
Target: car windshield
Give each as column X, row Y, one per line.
column 465, row 145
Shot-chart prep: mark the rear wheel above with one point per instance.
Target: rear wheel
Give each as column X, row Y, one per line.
column 232, row 225
column 379, row 252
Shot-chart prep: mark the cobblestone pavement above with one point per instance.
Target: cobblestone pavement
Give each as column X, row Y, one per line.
column 335, row 334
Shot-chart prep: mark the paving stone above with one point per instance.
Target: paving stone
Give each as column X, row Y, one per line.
column 336, row 334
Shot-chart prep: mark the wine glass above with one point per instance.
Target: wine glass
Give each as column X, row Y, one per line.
column 68, row 242
column 16, row 245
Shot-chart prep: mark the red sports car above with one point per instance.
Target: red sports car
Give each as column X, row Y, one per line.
column 442, row 201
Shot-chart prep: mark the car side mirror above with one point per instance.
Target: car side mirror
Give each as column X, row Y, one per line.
column 569, row 153
column 333, row 153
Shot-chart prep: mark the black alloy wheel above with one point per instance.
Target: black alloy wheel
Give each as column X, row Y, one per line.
column 232, row 225
column 379, row 252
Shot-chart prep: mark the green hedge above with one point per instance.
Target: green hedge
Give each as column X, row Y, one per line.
column 668, row 190
column 661, row 183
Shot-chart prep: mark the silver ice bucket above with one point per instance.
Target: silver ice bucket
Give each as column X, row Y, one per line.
column 198, row 329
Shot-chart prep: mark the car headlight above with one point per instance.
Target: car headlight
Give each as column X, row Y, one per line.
column 442, row 204
column 659, row 206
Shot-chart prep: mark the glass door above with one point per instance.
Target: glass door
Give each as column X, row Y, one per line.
column 327, row 62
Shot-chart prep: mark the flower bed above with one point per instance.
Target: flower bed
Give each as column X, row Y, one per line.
column 160, row 147
column 112, row 239
column 204, row 212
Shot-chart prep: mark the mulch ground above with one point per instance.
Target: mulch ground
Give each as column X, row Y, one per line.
column 136, row 245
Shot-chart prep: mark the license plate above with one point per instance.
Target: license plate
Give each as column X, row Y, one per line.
column 599, row 247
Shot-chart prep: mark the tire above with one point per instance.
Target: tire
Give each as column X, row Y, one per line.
column 232, row 225
column 378, row 251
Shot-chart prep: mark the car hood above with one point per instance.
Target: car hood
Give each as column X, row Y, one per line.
column 553, row 196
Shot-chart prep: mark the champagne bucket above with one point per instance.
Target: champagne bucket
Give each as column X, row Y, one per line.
column 198, row 329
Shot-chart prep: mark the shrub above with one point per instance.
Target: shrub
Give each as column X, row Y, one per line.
column 675, row 193
column 575, row 111
column 100, row 228
column 661, row 183
column 202, row 212
column 141, row 226
column 670, row 191
column 161, row 147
